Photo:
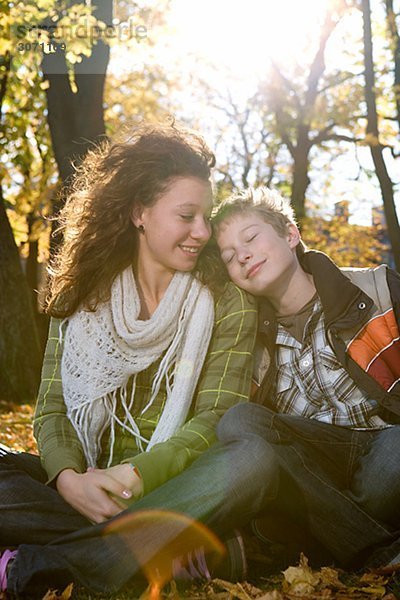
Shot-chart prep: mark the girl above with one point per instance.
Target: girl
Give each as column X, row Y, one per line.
column 141, row 360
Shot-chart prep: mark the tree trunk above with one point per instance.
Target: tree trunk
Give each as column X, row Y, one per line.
column 301, row 180
column 20, row 354
column 76, row 120
column 376, row 149
column 395, row 44
column 31, row 270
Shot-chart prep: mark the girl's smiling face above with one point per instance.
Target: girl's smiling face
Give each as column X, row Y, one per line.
column 257, row 258
column 176, row 227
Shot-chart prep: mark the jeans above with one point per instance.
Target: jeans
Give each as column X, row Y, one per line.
column 344, row 484
column 57, row 545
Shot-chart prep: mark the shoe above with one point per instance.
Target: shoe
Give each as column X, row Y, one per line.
column 234, row 565
column 394, row 564
column 5, row 559
column 191, row 567
column 194, row 565
column 276, row 541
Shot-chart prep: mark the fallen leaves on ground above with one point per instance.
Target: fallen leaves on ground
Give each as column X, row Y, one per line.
column 16, row 426
column 295, row 583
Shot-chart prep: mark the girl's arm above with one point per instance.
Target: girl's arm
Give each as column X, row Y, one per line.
column 58, row 443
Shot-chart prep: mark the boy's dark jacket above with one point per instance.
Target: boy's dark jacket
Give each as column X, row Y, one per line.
column 362, row 322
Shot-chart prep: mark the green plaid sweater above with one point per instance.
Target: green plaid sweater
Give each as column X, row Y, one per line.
column 224, row 381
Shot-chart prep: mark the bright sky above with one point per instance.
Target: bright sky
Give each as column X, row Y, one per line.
column 243, row 34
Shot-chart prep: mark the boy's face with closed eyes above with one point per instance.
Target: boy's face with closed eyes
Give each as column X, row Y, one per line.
column 257, row 258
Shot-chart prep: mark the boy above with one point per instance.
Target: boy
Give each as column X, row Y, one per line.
column 329, row 380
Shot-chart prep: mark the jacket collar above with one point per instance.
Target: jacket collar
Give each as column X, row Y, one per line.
column 343, row 302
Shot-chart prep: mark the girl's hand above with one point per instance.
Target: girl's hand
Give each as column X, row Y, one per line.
column 90, row 493
column 125, row 474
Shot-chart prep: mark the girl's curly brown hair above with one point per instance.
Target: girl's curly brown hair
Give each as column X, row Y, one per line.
column 99, row 239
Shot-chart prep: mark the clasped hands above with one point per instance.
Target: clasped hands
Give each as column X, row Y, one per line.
column 100, row 494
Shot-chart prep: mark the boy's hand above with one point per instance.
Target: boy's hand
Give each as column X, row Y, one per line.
column 94, row 494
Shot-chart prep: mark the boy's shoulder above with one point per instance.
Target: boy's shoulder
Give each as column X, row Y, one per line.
column 371, row 280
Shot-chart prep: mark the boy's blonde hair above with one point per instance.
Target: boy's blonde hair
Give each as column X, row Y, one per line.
column 268, row 204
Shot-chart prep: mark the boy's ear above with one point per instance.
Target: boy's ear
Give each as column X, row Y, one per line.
column 293, row 236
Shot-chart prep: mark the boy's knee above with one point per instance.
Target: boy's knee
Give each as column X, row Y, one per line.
column 241, row 420
column 381, row 498
column 256, row 471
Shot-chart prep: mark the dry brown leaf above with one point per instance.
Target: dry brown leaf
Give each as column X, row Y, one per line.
column 51, row 595
column 252, row 590
column 212, row 595
column 66, row 594
column 374, row 578
column 360, row 593
column 236, row 590
column 300, row 581
column 330, row 578
column 376, row 584
column 272, row 595
column 376, row 591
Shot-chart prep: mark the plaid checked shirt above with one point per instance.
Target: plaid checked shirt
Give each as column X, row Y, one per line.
column 312, row 383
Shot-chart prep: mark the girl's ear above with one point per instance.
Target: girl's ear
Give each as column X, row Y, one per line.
column 293, row 236
column 136, row 215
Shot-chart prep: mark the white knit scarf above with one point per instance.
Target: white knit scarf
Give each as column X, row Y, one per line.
column 103, row 349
